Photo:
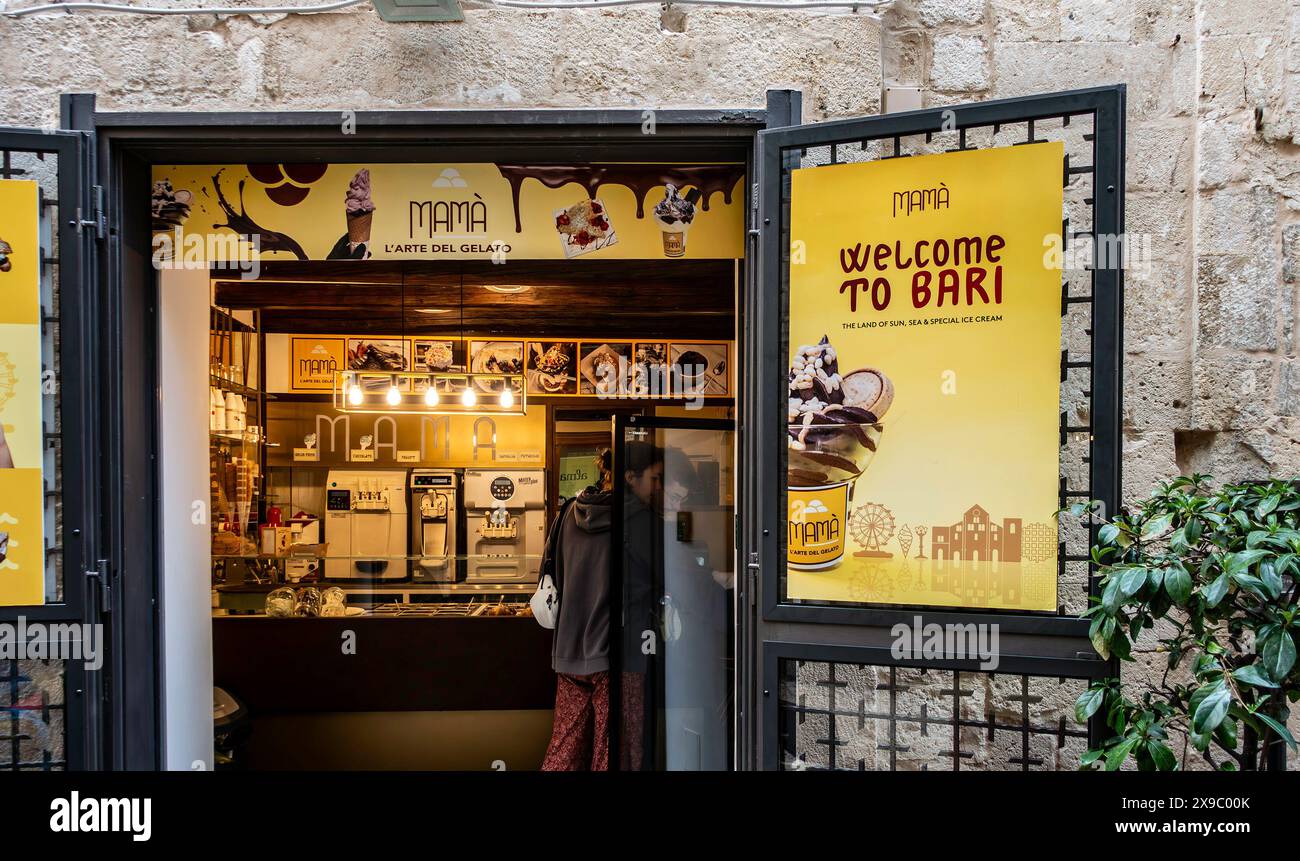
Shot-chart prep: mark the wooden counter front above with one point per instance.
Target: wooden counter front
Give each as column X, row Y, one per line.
column 399, row 664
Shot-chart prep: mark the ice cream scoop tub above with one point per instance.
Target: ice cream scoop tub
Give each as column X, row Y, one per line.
column 817, row 519
column 823, row 463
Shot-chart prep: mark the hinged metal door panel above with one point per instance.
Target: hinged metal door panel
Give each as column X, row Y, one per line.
column 50, row 707
column 1045, row 644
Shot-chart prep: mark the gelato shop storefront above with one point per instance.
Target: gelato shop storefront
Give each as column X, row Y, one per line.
column 564, row 440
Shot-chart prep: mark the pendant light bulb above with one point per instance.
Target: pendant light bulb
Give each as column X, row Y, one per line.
column 431, row 395
column 467, row 397
column 354, row 394
column 394, row 396
column 507, row 397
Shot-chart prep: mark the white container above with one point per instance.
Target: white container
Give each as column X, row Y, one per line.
column 234, row 412
column 216, row 410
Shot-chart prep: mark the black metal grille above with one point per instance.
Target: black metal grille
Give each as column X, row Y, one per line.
column 836, row 716
column 1084, row 424
column 32, row 726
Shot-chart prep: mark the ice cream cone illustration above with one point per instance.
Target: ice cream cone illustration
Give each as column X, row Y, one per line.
column 360, row 209
column 674, row 215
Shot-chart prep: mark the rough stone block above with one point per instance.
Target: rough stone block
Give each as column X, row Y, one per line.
column 1148, row 461
column 1157, row 393
column 1220, row 145
column 959, row 62
column 1237, row 302
column 1231, row 391
column 1288, row 388
column 1026, row 20
column 1241, row 73
column 1159, row 156
column 1159, row 307
column 934, row 12
column 1097, row 20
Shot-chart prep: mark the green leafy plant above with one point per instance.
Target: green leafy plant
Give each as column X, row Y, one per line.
column 1214, row 576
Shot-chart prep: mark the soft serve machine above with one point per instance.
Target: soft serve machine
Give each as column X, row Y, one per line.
column 366, row 525
column 434, row 521
column 505, row 524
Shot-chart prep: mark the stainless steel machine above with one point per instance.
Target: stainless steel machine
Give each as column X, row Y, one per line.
column 435, row 514
column 505, row 524
column 366, row 525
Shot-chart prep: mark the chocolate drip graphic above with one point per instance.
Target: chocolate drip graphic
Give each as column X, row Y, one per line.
column 641, row 179
column 239, row 222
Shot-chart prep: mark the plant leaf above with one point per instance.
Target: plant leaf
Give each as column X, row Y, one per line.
column 1214, row 592
column 1279, row 728
column 1088, row 703
column 1162, row 756
column 1278, row 654
column 1156, row 526
column 1131, row 581
column 1266, row 507
column 1178, row 583
column 1212, row 707
column 1253, row 675
column 1116, row 755
column 1240, row 561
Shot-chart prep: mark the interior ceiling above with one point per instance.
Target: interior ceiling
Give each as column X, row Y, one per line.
column 594, row 298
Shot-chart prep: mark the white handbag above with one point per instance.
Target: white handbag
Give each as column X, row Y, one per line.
column 546, row 603
column 546, row 600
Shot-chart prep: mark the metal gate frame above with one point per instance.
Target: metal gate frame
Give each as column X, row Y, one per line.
column 79, row 226
column 1045, row 644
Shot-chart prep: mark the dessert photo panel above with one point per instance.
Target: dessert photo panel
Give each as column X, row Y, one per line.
column 552, row 367
column 699, row 369
column 496, row 357
column 603, row 368
column 584, row 227
column 378, row 354
column 649, row 375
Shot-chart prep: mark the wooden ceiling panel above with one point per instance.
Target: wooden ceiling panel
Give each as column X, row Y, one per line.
column 612, row 299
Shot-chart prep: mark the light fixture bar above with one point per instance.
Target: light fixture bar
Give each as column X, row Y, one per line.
column 405, row 393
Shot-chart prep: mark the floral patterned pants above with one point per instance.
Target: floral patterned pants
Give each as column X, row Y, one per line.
column 580, row 732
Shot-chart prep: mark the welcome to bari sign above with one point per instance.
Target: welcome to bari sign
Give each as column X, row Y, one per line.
column 924, row 385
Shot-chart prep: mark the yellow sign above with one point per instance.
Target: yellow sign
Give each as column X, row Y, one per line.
column 925, row 375
column 474, row 211
column 313, row 362
column 22, row 501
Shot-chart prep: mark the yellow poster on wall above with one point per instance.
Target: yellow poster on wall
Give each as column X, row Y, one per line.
column 22, row 541
column 475, row 211
column 924, row 381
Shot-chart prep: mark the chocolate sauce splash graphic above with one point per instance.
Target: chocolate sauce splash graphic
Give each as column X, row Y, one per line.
column 641, row 179
column 240, row 223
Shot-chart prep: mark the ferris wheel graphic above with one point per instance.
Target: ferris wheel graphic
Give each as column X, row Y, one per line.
column 872, row 525
column 8, row 380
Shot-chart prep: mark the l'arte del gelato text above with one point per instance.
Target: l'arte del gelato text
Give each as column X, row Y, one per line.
column 939, row 272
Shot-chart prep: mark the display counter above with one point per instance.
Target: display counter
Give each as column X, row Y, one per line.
column 383, row 663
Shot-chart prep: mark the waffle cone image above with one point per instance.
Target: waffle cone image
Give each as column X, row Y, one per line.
column 359, row 226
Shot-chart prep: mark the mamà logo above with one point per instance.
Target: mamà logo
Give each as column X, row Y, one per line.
column 133, row 816
column 455, row 213
column 318, row 363
column 813, row 523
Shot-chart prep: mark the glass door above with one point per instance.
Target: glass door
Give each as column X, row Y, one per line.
column 673, row 638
